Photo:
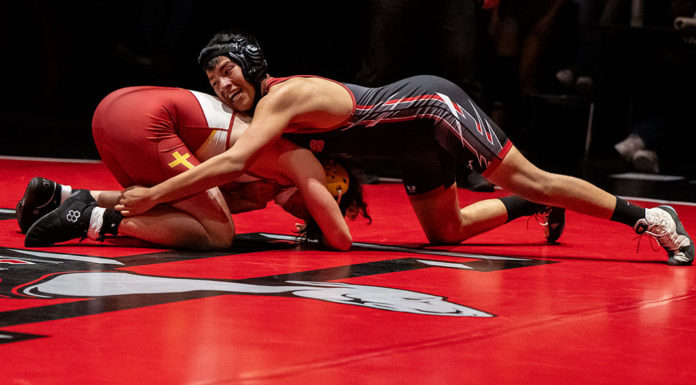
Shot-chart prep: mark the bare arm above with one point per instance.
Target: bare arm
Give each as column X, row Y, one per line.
column 303, row 168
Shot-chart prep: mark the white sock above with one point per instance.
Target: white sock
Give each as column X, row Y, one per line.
column 96, row 221
column 65, row 192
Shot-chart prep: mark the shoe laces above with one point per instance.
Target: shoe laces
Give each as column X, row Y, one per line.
column 654, row 244
column 542, row 217
column 661, row 231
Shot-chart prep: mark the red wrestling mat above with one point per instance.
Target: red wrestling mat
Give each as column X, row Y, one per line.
column 502, row 308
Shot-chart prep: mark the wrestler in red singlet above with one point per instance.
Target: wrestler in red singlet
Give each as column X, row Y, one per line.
column 148, row 134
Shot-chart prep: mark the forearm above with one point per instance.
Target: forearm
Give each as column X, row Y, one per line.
column 214, row 172
column 328, row 216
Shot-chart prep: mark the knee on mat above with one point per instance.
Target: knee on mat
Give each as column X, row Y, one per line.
column 445, row 236
column 217, row 238
column 222, row 239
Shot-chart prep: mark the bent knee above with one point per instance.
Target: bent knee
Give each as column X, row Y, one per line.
column 209, row 243
column 446, row 235
column 443, row 239
column 221, row 238
column 339, row 242
column 210, row 236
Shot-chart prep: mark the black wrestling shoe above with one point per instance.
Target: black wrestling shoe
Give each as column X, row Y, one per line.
column 40, row 198
column 552, row 219
column 663, row 223
column 68, row 221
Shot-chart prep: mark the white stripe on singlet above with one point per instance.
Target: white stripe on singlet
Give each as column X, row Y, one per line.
column 230, row 126
column 224, row 120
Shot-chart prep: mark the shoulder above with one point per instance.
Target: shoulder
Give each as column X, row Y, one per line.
column 306, row 103
column 311, row 93
column 297, row 87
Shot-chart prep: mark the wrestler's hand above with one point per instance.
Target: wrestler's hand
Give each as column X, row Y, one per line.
column 135, row 200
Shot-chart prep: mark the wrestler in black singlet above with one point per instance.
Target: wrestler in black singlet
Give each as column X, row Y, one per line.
column 427, row 123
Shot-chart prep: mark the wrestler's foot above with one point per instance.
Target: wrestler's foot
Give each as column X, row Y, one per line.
column 68, row 221
column 663, row 223
column 40, row 198
column 552, row 219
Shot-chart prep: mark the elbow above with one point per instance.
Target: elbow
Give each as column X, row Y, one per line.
column 339, row 242
column 226, row 167
column 232, row 162
column 345, row 244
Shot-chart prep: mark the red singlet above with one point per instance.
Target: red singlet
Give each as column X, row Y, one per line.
column 146, row 135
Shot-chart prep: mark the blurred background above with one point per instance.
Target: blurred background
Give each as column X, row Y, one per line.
column 547, row 71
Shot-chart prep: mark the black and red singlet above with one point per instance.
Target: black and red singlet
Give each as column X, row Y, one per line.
column 427, row 123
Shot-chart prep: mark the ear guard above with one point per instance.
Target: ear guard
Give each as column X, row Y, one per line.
column 240, row 48
column 337, row 179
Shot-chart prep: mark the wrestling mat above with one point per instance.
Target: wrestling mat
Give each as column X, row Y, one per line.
column 600, row 307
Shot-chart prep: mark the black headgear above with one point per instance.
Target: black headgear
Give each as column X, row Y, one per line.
column 240, row 48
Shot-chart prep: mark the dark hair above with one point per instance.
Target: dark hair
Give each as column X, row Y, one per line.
column 352, row 198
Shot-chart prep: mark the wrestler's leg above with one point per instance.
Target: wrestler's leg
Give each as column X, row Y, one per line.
column 444, row 222
column 429, row 176
column 520, row 177
column 200, row 222
column 516, row 174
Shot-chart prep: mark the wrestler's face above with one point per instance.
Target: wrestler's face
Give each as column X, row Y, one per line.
column 229, row 84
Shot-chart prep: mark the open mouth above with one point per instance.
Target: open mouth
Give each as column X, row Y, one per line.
column 232, row 97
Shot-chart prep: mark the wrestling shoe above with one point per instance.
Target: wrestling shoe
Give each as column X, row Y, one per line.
column 68, row 221
column 663, row 224
column 552, row 220
column 40, row 198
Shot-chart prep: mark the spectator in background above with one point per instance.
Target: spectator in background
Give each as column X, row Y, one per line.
column 519, row 32
column 522, row 29
column 408, row 37
column 593, row 14
column 659, row 109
